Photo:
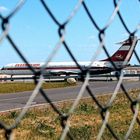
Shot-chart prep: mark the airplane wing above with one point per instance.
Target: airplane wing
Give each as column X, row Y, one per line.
column 61, row 72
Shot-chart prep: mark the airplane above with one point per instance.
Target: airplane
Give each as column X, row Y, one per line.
column 120, row 59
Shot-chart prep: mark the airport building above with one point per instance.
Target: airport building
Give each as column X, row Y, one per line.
column 132, row 69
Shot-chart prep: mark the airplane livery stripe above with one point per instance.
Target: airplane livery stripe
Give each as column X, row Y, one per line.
column 52, row 68
column 125, row 47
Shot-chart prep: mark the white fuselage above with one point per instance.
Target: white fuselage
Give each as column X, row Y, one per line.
column 115, row 62
column 55, row 67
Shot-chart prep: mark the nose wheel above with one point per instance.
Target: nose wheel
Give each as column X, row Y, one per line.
column 12, row 78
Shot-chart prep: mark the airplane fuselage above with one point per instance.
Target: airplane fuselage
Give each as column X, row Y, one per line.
column 118, row 61
column 58, row 68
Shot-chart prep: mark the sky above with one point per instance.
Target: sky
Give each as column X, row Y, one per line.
column 36, row 34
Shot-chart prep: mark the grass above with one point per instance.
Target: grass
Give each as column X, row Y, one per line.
column 42, row 122
column 21, row 86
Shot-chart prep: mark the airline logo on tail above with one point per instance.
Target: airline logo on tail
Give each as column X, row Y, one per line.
column 119, row 57
column 124, row 50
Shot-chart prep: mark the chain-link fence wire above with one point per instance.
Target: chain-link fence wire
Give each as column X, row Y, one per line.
column 65, row 118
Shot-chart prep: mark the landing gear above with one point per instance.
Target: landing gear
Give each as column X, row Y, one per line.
column 12, row 78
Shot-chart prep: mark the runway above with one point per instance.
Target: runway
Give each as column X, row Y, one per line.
column 18, row 100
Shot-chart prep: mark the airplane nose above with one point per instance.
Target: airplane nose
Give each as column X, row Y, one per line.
column 2, row 69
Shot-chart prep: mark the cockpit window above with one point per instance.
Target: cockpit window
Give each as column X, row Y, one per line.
column 3, row 68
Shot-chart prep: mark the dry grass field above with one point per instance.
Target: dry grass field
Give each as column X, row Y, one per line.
column 41, row 123
column 12, row 87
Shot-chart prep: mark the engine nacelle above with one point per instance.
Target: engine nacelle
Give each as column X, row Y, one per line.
column 71, row 80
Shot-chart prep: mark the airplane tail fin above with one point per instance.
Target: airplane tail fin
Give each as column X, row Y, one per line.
column 125, row 52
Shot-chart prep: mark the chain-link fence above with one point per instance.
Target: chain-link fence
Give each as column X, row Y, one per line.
column 104, row 110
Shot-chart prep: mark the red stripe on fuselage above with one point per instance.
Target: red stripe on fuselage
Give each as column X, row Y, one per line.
column 52, row 68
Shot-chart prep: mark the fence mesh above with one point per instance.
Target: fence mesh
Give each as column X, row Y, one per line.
column 65, row 118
